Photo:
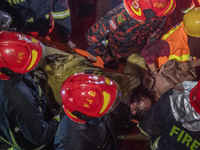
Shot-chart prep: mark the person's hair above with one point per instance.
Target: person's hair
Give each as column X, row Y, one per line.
column 139, row 94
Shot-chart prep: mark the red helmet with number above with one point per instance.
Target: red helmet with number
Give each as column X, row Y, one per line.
column 145, row 9
column 88, row 96
column 19, row 53
column 195, row 97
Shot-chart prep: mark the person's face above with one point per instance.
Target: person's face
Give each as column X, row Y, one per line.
column 142, row 106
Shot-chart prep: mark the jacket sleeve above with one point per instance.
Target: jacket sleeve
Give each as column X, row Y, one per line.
column 152, row 122
column 157, row 33
column 102, row 29
column 154, row 50
column 23, row 107
column 62, row 18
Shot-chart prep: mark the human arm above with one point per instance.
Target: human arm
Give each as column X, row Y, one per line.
column 24, row 108
column 136, row 66
column 97, row 34
column 75, row 136
column 187, row 65
column 154, row 50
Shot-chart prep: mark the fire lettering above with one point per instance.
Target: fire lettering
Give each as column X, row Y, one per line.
column 92, row 93
column 89, row 103
column 162, row 5
column 20, row 57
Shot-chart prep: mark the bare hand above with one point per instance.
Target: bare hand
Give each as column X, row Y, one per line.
column 184, row 66
column 92, row 58
column 147, row 81
column 70, row 45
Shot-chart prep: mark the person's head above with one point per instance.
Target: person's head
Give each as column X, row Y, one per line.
column 140, row 102
column 146, row 9
column 19, row 54
column 86, row 97
column 195, row 97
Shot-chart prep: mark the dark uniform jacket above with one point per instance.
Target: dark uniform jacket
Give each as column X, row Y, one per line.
column 172, row 123
column 37, row 15
column 122, row 35
column 93, row 135
column 26, row 121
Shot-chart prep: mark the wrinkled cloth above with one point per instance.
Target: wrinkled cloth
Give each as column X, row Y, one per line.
column 116, row 36
column 57, row 67
column 25, row 114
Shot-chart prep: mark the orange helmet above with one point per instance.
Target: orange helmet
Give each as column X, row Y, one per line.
column 195, row 97
column 145, row 9
column 19, row 53
column 88, row 96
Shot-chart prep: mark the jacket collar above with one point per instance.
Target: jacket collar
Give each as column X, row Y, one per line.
column 181, row 107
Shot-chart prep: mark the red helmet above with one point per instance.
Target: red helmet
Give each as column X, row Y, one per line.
column 88, row 96
column 144, row 9
column 195, row 97
column 19, row 53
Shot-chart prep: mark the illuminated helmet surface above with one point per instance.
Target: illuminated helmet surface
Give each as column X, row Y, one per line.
column 87, row 96
column 145, row 9
column 19, row 53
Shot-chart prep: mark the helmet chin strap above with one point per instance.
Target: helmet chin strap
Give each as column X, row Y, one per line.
column 9, row 72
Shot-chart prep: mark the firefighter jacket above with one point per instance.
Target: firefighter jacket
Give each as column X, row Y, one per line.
column 38, row 15
column 93, row 135
column 172, row 122
column 26, row 121
column 173, row 45
column 179, row 48
column 117, row 35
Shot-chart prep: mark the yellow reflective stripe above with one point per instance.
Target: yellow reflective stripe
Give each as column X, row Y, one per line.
column 13, row 140
column 185, row 11
column 30, row 20
column 6, row 141
column 106, row 101
column 15, row 145
column 61, row 15
column 40, row 147
column 154, row 145
column 71, row 114
column 170, row 6
column 33, row 60
column 180, row 58
column 170, row 32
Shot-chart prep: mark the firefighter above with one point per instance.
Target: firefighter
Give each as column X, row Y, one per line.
column 87, row 99
column 127, row 29
column 180, row 43
column 173, row 121
column 26, row 120
column 41, row 17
